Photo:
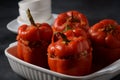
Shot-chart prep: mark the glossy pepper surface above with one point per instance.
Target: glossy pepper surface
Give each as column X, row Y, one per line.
column 71, row 56
column 73, row 19
column 105, row 36
column 33, row 41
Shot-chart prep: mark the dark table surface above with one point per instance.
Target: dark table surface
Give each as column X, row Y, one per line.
column 95, row 10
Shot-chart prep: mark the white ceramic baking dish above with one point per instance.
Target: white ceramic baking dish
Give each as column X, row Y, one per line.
column 33, row 72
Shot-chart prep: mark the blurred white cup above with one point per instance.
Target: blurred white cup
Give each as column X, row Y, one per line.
column 34, row 5
column 40, row 10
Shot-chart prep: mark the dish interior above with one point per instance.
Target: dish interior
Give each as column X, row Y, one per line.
column 101, row 72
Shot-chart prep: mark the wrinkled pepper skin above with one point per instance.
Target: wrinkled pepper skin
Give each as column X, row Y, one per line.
column 33, row 42
column 77, row 32
column 73, row 19
column 72, row 58
column 105, row 37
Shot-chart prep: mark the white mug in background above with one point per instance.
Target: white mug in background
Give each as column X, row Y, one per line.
column 40, row 10
column 34, row 5
column 40, row 15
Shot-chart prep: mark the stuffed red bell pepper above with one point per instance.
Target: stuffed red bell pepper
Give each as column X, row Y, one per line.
column 70, row 55
column 33, row 41
column 73, row 19
column 105, row 37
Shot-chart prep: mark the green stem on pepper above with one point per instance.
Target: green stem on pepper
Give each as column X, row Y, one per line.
column 30, row 17
column 73, row 19
column 64, row 38
column 109, row 29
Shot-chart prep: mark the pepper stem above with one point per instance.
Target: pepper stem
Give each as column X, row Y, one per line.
column 64, row 38
column 110, row 28
column 72, row 17
column 30, row 17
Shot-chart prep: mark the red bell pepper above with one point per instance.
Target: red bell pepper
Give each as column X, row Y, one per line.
column 71, row 56
column 73, row 19
column 105, row 36
column 33, row 41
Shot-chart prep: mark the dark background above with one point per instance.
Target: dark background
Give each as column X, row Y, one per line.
column 95, row 10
